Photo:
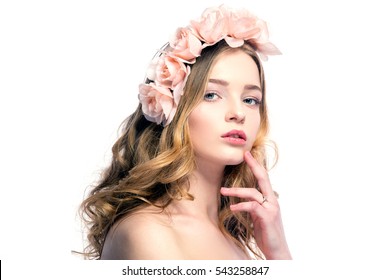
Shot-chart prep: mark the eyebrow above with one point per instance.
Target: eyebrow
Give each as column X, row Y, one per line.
column 225, row 83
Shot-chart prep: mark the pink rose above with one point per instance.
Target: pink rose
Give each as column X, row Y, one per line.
column 185, row 45
column 211, row 27
column 167, row 71
column 157, row 103
column 242, row 25
column 179, row 88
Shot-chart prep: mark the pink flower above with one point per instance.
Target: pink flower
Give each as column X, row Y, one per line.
column 242, row 25
column 160, row 98
column 179, row 88
column 157, row 103
column 169, row 71
column 185, row 45
column 211, row 27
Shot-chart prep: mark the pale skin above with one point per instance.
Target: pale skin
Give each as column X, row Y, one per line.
column 189, row 229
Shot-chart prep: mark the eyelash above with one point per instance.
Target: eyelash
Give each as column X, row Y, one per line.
column 257, row 101
column 208, row 94
column 214, row 95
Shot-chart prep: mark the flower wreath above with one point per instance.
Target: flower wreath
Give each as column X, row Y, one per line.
column 168, row 72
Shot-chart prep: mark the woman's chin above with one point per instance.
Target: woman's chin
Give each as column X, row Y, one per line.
column 234, row 161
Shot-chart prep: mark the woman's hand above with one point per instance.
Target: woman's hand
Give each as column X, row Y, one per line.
column 264, row 209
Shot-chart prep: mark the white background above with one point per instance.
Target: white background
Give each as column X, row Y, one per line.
column 69, row 73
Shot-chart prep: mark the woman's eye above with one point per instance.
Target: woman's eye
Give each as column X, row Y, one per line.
column 252, row 101
column 209, row 96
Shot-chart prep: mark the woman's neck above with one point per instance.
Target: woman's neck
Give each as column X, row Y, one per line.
column 205, row 183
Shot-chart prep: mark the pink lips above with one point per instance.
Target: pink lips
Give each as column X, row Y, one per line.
column 237, row 137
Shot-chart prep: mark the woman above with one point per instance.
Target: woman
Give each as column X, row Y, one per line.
column 188, row 177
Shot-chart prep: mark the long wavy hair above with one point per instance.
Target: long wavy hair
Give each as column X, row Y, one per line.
column 151, row 164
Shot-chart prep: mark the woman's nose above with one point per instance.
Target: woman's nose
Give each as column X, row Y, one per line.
column 235, row 113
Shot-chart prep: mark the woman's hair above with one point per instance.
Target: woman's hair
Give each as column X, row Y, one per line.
column 151, row 163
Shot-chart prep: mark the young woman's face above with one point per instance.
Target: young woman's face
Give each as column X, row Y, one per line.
column 226, row 121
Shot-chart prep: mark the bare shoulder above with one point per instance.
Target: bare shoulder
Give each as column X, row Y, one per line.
column 146, row 234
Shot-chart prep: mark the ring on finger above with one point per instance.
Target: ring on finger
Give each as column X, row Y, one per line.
column 264, row 200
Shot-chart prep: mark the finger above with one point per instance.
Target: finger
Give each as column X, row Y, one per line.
column 260, row 174
column 249, row 206
column 245, row 193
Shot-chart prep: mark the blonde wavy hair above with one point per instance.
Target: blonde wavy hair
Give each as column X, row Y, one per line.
column 151, row 164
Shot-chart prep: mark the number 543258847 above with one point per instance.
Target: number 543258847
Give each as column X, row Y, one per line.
column 243, row 270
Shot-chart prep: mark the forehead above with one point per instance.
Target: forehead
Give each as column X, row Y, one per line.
column 236, row 66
